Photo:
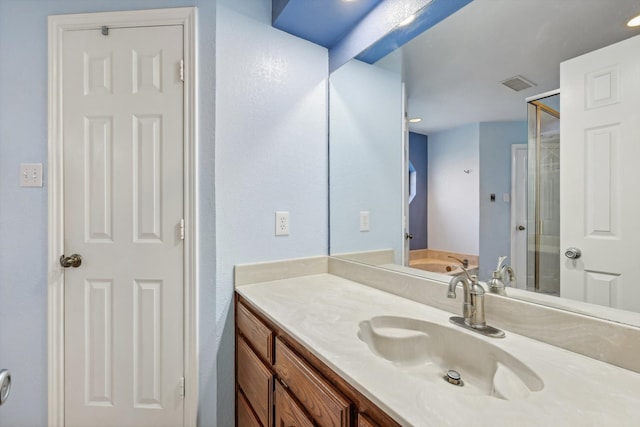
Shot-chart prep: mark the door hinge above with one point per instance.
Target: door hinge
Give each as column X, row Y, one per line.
column 182, row 229
column 181, row 391
column 182, row 70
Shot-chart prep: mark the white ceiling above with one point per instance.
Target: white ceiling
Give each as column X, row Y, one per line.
column 453, row 71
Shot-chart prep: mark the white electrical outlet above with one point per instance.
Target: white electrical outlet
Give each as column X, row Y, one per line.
column 30, row 174
column 364, row 220
column 282, row 223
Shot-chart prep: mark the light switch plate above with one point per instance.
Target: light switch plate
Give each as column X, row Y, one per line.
column 30, row 174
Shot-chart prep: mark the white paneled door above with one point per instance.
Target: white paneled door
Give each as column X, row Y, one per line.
column 122, row 109
column 600, row 149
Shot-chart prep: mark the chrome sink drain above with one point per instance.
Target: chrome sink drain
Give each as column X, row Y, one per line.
column 453, row 377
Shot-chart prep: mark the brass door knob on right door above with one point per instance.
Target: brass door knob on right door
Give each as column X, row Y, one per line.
column 74, row 261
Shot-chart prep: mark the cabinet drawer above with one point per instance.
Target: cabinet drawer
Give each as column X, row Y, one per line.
column 256, row 333
column 288, row 413
column 246, row 417
column 363, row 421
column 326, row 405
column 255, row 381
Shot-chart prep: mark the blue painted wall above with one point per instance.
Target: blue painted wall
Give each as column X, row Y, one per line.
column 271, row 105
column 425, row 18
column 462, row 217
column 23, row 211
column 418, row 207
column 453, row 194
column 374, row 26
column 271, row 154
column 321, row 22
column 496, row 139
column 365, row 158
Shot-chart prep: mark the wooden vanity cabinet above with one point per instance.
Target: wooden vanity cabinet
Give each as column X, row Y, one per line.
column 280, row 383
column 255, row 332
column 287, row 412
column 363, row 421
column 256, row 382
column 325, row 404
column 244, row 413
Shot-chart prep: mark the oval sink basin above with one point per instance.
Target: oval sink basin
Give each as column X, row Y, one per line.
column 429, row 350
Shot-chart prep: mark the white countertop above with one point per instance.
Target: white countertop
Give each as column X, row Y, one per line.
column 323, row 313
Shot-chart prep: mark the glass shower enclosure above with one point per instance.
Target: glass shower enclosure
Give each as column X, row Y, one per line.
column 543, row 203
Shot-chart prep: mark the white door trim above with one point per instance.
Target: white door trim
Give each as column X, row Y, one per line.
column 58, row 24
column 522, row 284
column 406, row 244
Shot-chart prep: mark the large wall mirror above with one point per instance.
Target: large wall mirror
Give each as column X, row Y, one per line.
column 493, row 167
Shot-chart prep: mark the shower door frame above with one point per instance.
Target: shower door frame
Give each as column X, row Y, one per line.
column 534, row 224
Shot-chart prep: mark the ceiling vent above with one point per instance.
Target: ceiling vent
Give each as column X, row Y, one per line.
column 517, row 83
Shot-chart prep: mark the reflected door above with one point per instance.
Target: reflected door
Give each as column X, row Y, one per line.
column 123, row 203
column 600, row 176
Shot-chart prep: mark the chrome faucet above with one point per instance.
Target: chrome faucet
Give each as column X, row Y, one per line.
column 473, row 305
column 497, row 282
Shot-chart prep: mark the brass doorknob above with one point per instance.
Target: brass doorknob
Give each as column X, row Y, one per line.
column 74, row 261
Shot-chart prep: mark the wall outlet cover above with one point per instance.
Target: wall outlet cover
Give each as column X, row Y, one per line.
column 282, row 223
column 364, row 221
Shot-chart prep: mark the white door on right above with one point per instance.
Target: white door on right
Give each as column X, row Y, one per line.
column 600, row 175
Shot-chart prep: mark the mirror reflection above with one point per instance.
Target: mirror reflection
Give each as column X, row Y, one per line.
column 479, row 176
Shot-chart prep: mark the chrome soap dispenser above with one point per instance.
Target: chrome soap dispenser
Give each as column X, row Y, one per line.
column 496, row 283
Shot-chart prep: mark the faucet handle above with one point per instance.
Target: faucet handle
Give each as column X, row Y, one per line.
column 512, row 274
column 463, row 266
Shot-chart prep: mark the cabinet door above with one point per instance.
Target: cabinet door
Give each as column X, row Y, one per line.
column 246, row 417
column 288, row 413
column 257, row 334
column 255, row 381
column 363, row 421
column 327, row 406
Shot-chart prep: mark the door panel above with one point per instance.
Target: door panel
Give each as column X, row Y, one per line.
column 123, row 202
column 599, row 175
column 98, row 176
column 99, row 343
